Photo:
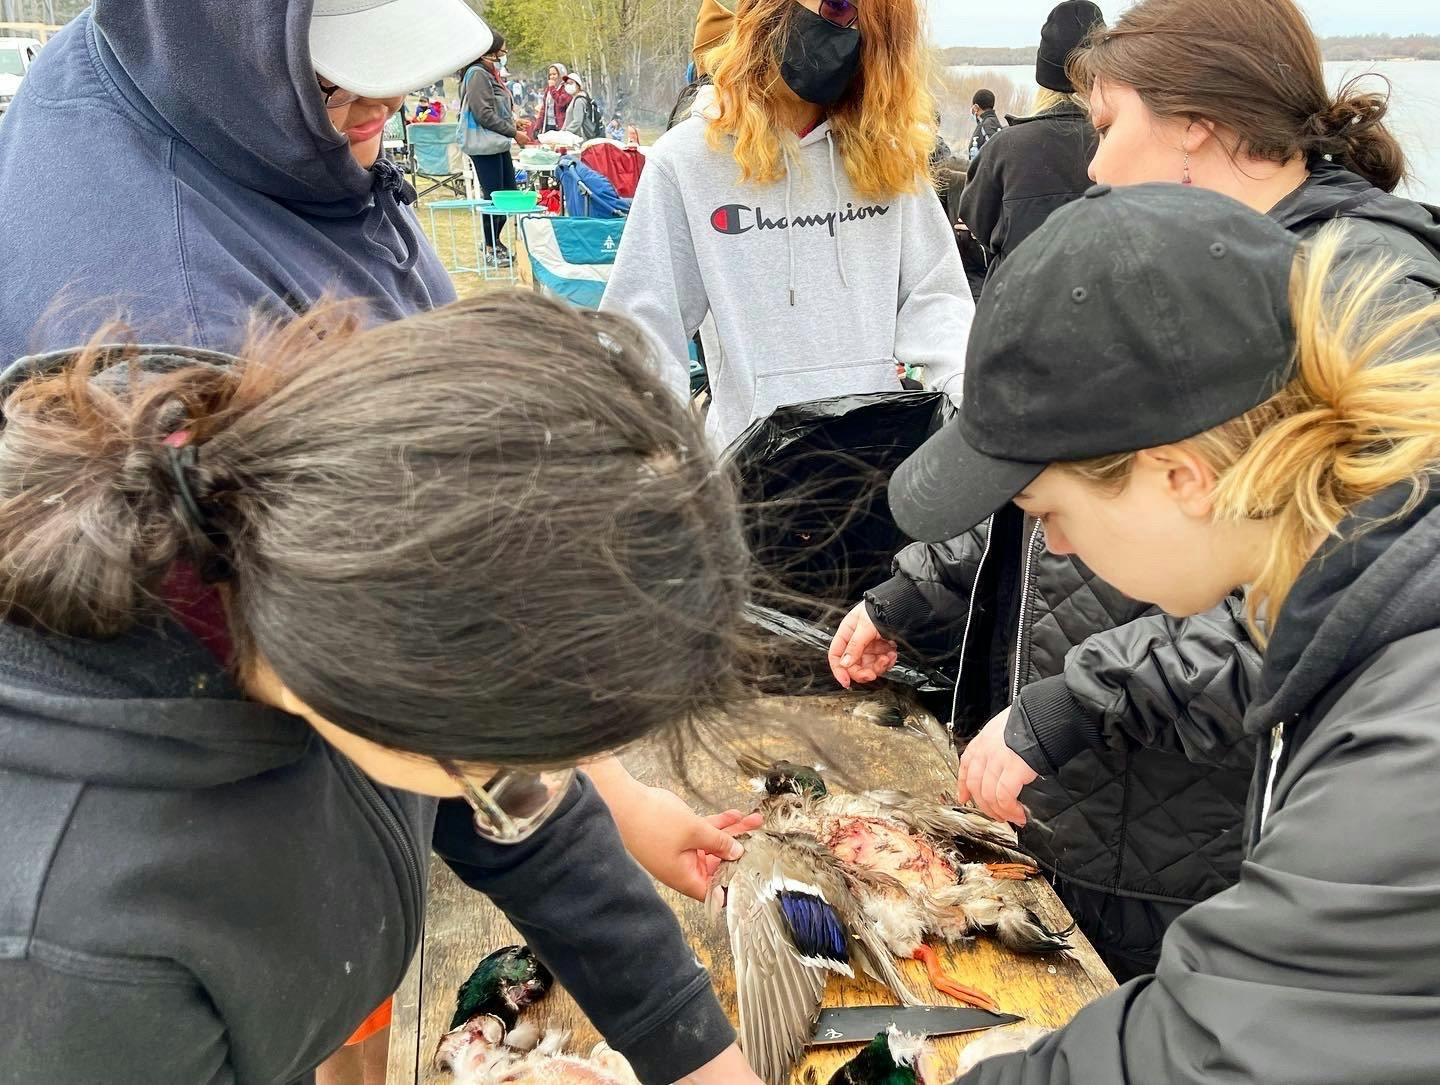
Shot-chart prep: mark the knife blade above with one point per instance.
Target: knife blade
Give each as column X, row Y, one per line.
column 861, row 1024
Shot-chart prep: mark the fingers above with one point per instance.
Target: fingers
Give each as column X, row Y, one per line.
column 842, row 650
column 705, row 837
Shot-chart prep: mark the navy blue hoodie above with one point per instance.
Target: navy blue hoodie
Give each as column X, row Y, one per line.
column 176, row 167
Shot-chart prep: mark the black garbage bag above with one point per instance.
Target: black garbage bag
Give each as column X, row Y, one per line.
column 813, row 479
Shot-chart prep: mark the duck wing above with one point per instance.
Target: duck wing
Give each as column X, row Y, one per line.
column 785, row 936
column 965, row 826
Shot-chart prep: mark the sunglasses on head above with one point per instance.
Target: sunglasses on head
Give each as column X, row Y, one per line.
column 513, row 803
column 840, row 12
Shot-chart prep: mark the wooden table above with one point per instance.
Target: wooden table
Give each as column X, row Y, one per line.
column 462, row 927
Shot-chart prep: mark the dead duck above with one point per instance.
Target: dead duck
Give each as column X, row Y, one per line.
column 833, row 883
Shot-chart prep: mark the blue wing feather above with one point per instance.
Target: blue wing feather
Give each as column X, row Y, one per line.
column 814, row 927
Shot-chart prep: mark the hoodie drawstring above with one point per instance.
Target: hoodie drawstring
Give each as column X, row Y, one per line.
column 789, row 234
column 835, row 188
column 391, row 189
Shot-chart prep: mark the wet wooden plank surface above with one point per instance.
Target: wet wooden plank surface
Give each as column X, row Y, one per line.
column 462, row 927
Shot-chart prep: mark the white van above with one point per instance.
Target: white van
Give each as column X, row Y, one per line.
column 16, row 56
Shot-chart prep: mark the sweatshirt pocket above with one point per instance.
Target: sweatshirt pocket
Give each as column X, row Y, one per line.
column 823, row 380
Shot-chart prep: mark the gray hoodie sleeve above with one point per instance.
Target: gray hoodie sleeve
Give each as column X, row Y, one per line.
column 932, row 327
column 593, row 916
column 656, row 279
column 1180, row 685
column 1318, row 967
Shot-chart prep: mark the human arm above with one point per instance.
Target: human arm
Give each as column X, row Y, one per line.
column 656, row 279
column 1317, row 967
column 591, row 914
column 479, row 98
column 982, row 203
column 932, row 326
column 1176, row 684
column 926, row 598
column 677, row 846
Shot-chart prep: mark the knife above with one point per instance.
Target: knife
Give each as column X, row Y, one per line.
column 861, row 1024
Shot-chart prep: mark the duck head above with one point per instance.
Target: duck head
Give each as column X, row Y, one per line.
column 501, row 986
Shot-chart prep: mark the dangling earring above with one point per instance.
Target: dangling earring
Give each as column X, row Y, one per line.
column 1186, row 179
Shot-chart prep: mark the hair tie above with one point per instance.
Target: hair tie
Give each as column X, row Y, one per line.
column 184, row 457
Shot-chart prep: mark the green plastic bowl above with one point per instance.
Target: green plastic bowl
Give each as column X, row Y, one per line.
column 508, row 199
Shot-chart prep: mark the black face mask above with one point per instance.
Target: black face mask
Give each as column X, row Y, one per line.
column 820, row 59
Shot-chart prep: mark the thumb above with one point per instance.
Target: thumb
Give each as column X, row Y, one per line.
column 709, row 839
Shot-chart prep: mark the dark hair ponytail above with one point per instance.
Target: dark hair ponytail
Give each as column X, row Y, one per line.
column 487, row 533
column 1351, row 130
column 1252, row 66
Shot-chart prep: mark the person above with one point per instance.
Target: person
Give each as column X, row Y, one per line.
column 632, row 136
column 615, row 130
column 795, row 209
column 1233, row 96
column 554, row 102
column 211, row 738
column 239, row 214
column 987, row 124
column 429, row 112
column 1280, row 432
column 1042, row 163
column 1302, row 190
column 581, row 117
column 490, row 119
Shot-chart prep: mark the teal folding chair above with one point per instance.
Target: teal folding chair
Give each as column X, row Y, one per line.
column 430, row 146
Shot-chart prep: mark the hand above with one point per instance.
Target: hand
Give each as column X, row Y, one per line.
column 859, row 653
column 677, row 846
column 992, row 774
column 727, row 1068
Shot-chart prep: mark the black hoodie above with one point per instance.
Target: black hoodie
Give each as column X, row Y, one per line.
column 1323, row 964
column 194, row 888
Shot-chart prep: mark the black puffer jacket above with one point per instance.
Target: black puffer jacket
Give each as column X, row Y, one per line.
column 1027, row 171
column 1126, row 812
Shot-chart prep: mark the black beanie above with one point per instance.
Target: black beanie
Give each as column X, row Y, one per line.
column 1066, row 28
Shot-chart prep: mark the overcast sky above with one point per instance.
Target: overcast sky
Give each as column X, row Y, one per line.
column 1017, row 22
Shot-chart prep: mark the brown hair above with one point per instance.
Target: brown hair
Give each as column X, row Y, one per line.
column 487, row 533
column 1251, row 66
column 1362, row 414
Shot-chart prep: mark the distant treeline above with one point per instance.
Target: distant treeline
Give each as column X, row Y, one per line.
column 1353, row 47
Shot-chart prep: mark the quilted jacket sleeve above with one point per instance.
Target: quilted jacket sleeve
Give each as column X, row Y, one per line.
column 929, row 593
column 1180, row 685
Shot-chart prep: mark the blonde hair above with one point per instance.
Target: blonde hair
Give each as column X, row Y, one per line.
column 1361, row 414
column 1045, row 98
column 884, row 126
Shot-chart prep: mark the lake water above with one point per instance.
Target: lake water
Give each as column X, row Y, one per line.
column 1414, row 111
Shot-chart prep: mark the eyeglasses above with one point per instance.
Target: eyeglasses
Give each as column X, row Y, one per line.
column 335, row 97
column 514, row 803
column 840, row 12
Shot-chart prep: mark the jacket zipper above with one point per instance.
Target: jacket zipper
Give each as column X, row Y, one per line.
column 969, row 618
column 1277, row 746
column 392, row 823
column 1022, row 627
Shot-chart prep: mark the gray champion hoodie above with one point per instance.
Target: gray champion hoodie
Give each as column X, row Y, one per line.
column 813, row 290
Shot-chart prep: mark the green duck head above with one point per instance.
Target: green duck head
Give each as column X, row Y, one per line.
column 788, row 778
column 502, row 985
column 892, row 1058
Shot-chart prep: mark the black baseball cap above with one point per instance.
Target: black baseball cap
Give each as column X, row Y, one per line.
column 1135, row 317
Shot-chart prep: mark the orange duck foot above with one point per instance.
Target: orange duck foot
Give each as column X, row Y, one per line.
column 949, row 985
column 1013, row 872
